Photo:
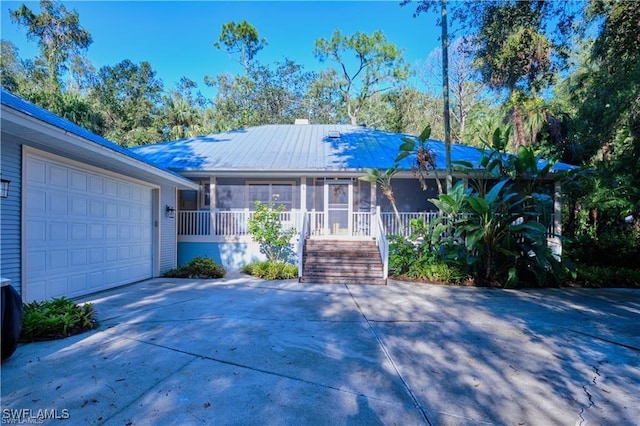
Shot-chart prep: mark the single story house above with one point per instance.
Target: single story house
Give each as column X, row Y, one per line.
column 80, row 214
column 311, row 169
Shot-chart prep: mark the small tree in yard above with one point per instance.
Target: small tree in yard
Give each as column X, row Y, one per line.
column 266, row 229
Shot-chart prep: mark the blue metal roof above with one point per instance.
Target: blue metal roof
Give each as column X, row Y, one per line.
column 17, row 103
column 291, row 147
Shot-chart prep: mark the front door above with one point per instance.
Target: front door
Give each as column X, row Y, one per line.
column 338, row 210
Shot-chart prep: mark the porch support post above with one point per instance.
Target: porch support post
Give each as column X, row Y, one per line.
column 350, row 210
column 303, row 200
column 325, row 207
column 303, row 193
column 556, row 242
column 374, row 191
column 212, row 203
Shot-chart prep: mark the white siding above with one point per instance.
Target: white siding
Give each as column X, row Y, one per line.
column 168, row 236
column 10, row 156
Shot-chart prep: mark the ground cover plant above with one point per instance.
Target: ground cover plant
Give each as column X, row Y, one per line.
column 270, row 270
column 55, row 319
column 201, row 267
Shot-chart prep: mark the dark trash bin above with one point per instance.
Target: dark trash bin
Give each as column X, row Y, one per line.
column 10, row 319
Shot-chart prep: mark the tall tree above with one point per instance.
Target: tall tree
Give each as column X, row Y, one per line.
column 606, row 90
column 58, row 34
column 465, row 86
column 184, row 112
column 379, row 65
column 514, row 55
column 323, row 98
column 265, row 96
column 424, row 6
column 241, row 41
column 12, row 70
column 129, row 94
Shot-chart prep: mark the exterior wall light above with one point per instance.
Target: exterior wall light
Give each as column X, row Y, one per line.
column 4, row 188
column 170, row 211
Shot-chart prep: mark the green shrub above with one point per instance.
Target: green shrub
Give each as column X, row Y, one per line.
column 402, row 254
column 269, row 270
column 55, row 319
column 436, row 271
column 267, row 230
column 607, row 276
column 200, row 267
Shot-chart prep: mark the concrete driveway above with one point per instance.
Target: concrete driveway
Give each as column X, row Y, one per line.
column 250, row 352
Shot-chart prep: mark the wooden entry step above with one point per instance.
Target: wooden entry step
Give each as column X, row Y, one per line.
column 340, row 261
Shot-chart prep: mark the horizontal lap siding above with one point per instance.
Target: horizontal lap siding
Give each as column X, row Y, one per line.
column 10, row 163
column 168, row 244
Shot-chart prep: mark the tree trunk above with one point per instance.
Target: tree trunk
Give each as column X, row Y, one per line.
column 516, row 117
column 388, row 192
column 445, row 94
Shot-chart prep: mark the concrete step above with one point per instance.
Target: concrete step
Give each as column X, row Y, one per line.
column 342, row 280
column 357, row 260
column 373, row 273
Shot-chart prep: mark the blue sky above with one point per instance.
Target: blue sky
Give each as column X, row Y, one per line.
column 176, row 37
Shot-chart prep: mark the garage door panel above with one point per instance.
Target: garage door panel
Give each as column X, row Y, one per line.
column 58, row 287
column 78, row 180
column 79, row 207
column 110, row 187
column 84, row 231
column 79, row 258
column 57, row 175
column 57, row 203
column 78, row 283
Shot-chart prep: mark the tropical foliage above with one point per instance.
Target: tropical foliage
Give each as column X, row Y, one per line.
column 55, row 319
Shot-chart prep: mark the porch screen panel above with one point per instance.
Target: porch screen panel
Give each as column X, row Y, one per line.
column 258, row 192
column 275, row 194
column 282, row 195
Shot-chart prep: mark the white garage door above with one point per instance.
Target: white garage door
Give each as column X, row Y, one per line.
column 85, row 231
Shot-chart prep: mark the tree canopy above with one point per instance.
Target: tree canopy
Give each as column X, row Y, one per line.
column 378, row 66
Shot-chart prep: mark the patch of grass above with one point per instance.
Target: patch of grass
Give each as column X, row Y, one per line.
column 270, row 270
column 55, row 319
column 201, row 267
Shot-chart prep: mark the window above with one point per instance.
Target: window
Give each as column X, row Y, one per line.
column 275, row 194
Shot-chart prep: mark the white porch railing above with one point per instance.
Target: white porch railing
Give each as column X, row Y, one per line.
column 392, row 227
column 225, row 223
column 235, row 223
